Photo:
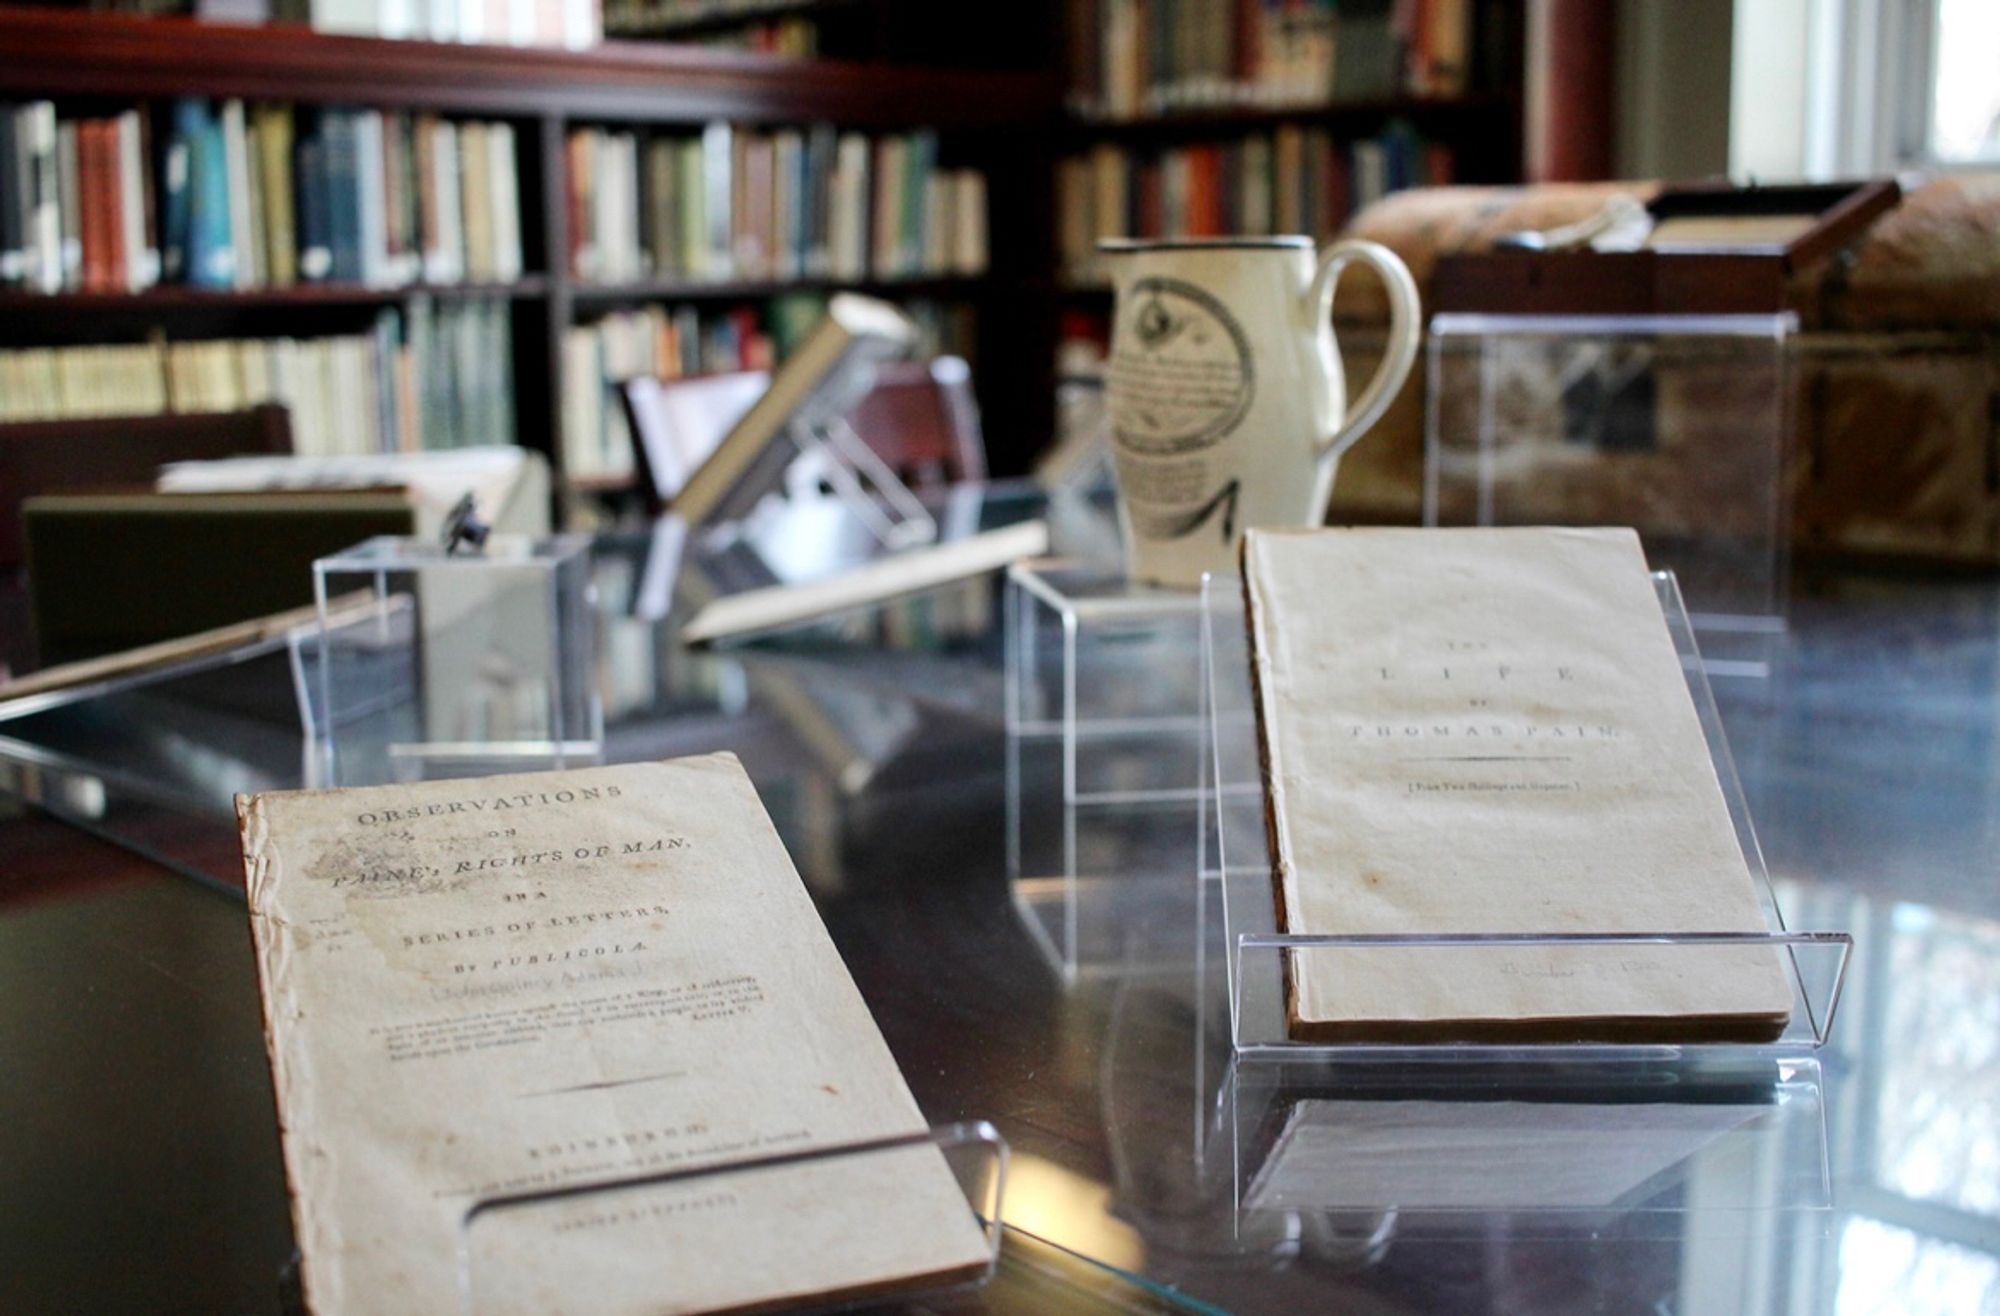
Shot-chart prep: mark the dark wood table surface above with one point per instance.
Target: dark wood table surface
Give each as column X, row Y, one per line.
column 139, row 1138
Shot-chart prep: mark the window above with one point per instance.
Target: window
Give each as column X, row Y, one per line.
column 1963, row 114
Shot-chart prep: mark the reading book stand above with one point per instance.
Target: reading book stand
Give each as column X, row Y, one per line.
column 1256, row 952
column 974, row 1152
column 1384, row 1151
column 767, row 1181
column 1577, row 1132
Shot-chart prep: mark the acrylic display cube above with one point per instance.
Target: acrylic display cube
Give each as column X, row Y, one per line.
column 426, row 664
column 1104, row 733
column 1679, row 426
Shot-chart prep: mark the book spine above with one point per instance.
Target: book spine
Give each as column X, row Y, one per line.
column 274, row 165
column 970, row 245
column 504, row 176
column 754, row 244
column 42, row 201
column 821, row 145
column 690, row 188
column 105, row 209
column 851, row 223
column 606, row 209
column 371, row 199
column 787, row 204
column 343, row 193
column 69, row 194
column 663, row 241
column 149, row 196
column 717, row 158
column 581, row 174
column 111, row 211
column 315, row 206
column 423, row 163
column 13, row 200
column 919, row 163
column 399, row 201
column 939, row 225
column 886, row 207
column 450, row 204
column 236, row 195
column 139, row 259
column 475, row 194
column 176, row 186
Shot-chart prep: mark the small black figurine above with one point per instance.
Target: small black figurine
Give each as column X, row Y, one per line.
column 464, row 529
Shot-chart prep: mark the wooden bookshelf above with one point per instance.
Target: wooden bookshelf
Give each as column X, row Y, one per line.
column 174, row 297
column 55, row 52
column 93, row 60
column 684, row 290
column 724, row 16
column 1483, row 128
column 1448, row 111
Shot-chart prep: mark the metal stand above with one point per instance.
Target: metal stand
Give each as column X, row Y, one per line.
column 830, row 450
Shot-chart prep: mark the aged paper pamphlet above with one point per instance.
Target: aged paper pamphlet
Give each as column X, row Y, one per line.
column 1478, row 731
column 479, row 989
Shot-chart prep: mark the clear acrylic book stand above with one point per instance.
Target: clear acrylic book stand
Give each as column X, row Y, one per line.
column 1575, row 1133
column 1256, row 953
column 1104, row 735
column 1678, row 426
column 429, row 664
column 641, row 1232
column 1379, row 1151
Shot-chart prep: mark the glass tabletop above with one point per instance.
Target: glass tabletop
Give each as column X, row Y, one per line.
column 1149, row 1170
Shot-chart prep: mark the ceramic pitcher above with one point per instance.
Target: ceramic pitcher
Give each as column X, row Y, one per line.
column 1227, row 402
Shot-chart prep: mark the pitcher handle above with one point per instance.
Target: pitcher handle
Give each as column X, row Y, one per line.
column 1403, row 334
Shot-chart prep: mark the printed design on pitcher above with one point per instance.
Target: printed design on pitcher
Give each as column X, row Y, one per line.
column 1180, row 377
column 1178, row 523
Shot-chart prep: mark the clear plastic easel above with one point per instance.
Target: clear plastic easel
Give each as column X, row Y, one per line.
column 770, row 1230
column 1257, row 954
column 1576, row 1134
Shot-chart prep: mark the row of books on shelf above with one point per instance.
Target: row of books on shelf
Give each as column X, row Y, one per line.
column 573, row 23
column 793, row 38
column 734, row 203
column 671, row 342
column 634, row 17
column 1135, row 57
column 431, row 377
column 1295, row 179
column 576, row 24
column 254, row 196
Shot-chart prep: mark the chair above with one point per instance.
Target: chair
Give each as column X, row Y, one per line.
column 921, row 418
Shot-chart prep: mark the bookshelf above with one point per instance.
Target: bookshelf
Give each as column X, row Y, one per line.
column 1201, row 117
column 1167, row 102
column 1017, row 35
column 97, row 63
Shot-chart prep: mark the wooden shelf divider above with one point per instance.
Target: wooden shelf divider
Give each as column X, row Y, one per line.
column 170, row 296
column 59, row 52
